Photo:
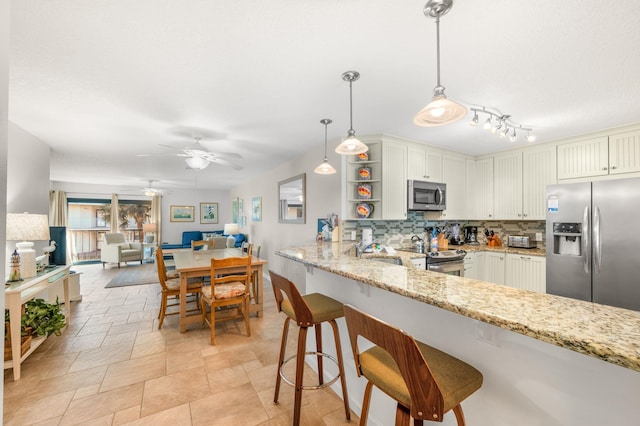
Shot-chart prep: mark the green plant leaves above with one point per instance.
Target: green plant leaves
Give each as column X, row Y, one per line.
column 44, row 318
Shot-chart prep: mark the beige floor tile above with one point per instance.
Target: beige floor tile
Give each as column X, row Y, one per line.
column 71, row 381
column 174, row 390
column 176, row 416
column 126, row 416
column 132, row 371
column 96, row 406
column 37, row 409
column 101, row 356
column 238, row 406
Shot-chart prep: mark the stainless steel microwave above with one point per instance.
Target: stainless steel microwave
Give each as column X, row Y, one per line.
column 426, row 196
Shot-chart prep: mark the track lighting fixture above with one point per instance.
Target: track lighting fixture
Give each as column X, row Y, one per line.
column 501, row 124
column 440, row 110
column 325, row 168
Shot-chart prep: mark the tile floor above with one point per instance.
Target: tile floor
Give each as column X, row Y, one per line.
column 112, row 366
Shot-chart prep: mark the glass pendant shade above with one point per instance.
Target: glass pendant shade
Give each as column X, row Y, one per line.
column 351, row 146
column 440, row 111
column 325, row 168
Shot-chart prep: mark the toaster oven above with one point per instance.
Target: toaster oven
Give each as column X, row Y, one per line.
column 521, row 241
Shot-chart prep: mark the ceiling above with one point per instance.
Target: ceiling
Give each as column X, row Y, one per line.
column 103, row 81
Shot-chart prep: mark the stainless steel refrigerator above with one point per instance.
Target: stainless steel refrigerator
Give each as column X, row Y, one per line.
column 593, row 241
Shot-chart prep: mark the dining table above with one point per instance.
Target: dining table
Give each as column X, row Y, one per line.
column 197, row 263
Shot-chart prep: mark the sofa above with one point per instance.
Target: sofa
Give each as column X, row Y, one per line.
column 116, row 249
column 188, row 236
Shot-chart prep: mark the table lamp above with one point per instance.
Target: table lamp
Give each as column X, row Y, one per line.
column 26, row 227
column 230, row 229
column 149, row 227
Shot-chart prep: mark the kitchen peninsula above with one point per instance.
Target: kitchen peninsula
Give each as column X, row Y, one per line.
column 529, row 346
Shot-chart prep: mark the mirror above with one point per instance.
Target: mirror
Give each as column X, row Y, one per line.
column 291, row 194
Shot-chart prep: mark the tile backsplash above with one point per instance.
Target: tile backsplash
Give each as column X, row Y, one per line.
column 398, row 233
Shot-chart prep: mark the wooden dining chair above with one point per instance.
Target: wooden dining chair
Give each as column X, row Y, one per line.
column 425, row 382
column 230, row 288
column 254, row 276
column 171, row 288
column 200, row 245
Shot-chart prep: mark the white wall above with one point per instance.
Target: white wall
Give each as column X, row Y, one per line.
column 322, row 196
column 4, row 121
column 27, row 177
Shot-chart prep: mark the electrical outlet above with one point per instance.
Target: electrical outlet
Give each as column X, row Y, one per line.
column 353, row 235
column 538, row 236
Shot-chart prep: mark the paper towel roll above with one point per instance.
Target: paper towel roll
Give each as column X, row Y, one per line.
column 367, row 236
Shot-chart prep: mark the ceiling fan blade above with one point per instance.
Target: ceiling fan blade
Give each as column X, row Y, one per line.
column 223, row 162
column 172, row 147
column 225, row 154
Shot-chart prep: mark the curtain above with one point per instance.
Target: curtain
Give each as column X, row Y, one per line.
column 115, row 220
column 156, row 216
column 58, row 216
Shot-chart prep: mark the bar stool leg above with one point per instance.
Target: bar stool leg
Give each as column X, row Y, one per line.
column 343, row 380
column 364, row 413
column 403, row 416
column 318, row 328
column 457, row 410
column 283, row 345
column 302, row 348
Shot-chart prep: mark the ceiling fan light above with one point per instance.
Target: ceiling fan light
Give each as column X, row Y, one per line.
column 196, row 163
column 438, row 112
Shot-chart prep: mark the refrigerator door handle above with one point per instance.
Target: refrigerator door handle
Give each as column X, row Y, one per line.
column 597, row 250
column 586, row 243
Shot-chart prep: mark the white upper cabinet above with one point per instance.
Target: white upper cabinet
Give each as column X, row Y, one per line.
column 394, row 180
column 482, row 186
column 607, row 155
column 453, row 174
column 538, row 171
column 507, row 197
column 584, row 158
column 424, row 163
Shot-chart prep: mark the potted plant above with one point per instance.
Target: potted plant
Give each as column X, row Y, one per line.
column 25, row 340
column 44, row 318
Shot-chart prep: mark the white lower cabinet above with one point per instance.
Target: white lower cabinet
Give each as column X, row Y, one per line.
column 494, row 267
column 526, row 272
column 471, row 266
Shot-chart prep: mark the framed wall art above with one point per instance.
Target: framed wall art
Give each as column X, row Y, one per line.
column 208, row 212
column 256, row 209
column 235, row 211
column 182, row 213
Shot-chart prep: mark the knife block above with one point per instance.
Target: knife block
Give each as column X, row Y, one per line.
column 443, row 243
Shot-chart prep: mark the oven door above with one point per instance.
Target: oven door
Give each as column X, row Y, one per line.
column 452, row 268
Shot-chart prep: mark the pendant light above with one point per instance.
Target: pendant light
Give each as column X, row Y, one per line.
column 351, row 145
column 325, row 168
column 440, row 110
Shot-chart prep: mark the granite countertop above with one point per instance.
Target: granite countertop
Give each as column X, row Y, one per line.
column 604, row 332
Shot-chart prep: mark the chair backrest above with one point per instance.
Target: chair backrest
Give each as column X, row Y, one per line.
column 426, row 399
column 114, row 238
column 188, row 236
column 256, row 250
column 218, row 243
column 241, row 272
column 162, row 269
column 200, row 245
column 281, row 287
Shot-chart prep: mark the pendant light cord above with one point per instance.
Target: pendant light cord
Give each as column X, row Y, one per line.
column 351, row 107
column 438, row 48
column 325, row 141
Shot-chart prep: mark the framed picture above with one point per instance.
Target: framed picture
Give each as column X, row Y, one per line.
column 256, row 209
column 235, row 211
column 182, row 213
column 208, row 212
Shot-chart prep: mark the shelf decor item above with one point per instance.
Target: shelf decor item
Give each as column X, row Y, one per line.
column 364, row 210
column 364, row 173
column 363, row 156
column 364, row 191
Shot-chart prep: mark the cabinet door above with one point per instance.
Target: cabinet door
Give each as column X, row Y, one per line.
column 538, row 171
column 526, row 272
column 624, row 153
column 484, row 189
column 507, row 197
column 453, row 174
column 424, row 163
column 470, row 269
column 494, row 265
column 583, row 158
column 394, row 180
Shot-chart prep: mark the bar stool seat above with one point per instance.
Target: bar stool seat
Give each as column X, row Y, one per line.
column 307, row 311
column 426, row 382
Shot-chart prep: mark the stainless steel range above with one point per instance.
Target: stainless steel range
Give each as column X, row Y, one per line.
column 446, row 261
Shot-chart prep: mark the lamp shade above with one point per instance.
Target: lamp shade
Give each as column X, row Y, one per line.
column 149, row 227
column 439, row 111
column 27, row 227
column 230, row 228
column 196, row 163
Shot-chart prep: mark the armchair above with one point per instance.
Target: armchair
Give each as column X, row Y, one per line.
column 115, row 250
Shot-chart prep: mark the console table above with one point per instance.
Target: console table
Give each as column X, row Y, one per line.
column 18, row 293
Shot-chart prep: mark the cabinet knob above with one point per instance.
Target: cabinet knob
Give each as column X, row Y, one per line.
column 604, row 168
column 426, row 177
column 613, row 167
column 519, row 215
column 490, row 215
column 524, row 215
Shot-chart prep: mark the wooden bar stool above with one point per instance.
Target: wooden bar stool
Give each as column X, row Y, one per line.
column 424, row 381
column 307, row 311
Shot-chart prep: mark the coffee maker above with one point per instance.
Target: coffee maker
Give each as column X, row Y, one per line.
column 471, row 235
column 456, row 238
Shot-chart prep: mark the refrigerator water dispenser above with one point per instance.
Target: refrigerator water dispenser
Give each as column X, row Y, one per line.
column 567, row 238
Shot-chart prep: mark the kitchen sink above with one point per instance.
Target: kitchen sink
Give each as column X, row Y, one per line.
column 392, row 260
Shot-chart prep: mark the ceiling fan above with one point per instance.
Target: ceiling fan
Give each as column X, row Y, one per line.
column 150, row 191
column 197, row 156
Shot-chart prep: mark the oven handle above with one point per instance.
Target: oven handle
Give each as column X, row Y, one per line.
column 444, row 267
